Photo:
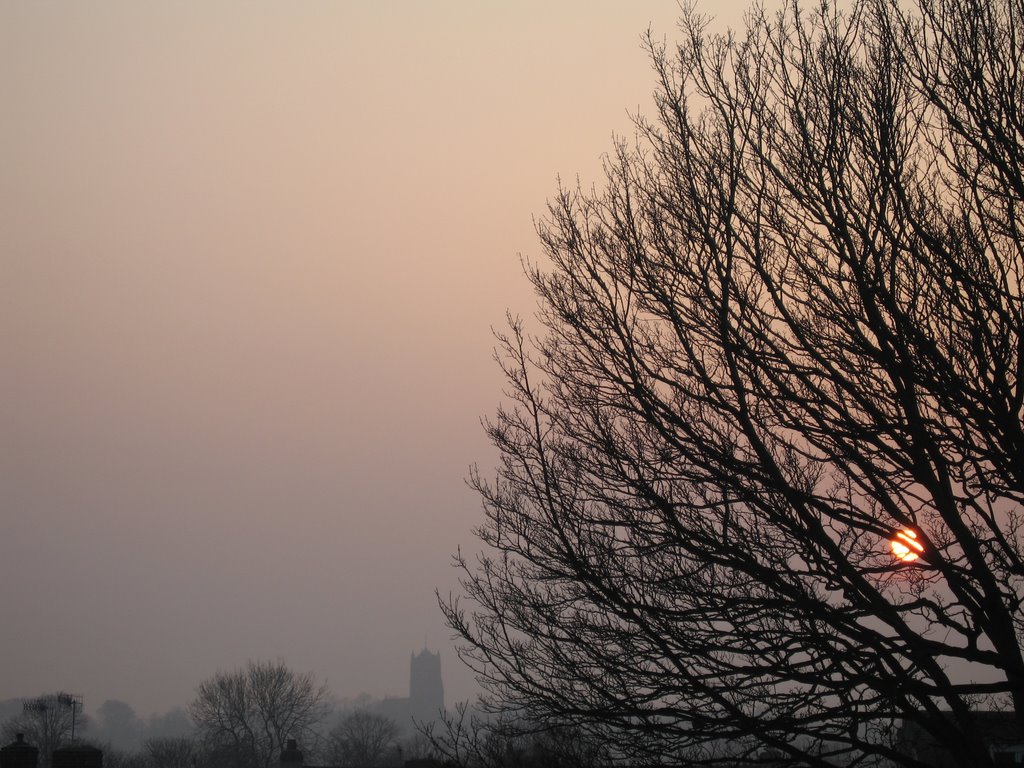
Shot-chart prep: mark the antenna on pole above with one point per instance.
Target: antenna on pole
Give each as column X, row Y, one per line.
column 72, row 701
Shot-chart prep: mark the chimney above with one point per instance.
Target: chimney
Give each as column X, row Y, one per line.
column 291, row 755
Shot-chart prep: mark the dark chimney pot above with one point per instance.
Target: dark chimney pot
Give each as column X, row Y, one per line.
column 19, row 754
column 291, row 755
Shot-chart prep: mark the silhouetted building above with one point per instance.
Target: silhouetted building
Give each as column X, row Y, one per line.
column 77, row 756
column 19, row 754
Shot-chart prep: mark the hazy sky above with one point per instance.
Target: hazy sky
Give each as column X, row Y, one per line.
column 250, row 257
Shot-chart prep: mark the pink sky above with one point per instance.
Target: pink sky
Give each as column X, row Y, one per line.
column 250, row 256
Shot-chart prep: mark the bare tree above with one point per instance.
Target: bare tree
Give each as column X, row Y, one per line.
column 115, row 757
column 117, row 724
column 362, row 739
column 245, row 717
column 48, row 722
column 468, row 739
column 172, row 752
column 787, row 330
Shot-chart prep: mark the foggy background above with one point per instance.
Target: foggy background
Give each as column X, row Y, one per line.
column 250, row 257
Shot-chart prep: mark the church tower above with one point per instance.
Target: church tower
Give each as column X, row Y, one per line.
column 426, row 691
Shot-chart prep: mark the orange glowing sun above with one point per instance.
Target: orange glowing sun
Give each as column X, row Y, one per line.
column 905, row 546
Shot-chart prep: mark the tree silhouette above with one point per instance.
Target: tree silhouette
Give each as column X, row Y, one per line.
column 245, row 717
column 362, row 739
column 786, row 329
column 47, row 722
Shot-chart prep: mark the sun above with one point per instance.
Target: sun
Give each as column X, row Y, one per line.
column 905, row 546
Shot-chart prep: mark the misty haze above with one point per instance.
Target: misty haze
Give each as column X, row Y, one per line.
column 505, row 385
column 251, row 261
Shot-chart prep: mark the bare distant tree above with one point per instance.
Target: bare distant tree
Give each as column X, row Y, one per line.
column 47, row 722
column 245, row 717
column 114, row 757
column 173, row 723
column 417, row 748
column 762, row 474
column 469, row 739
column 172, row 752
column 362, row 739
column 117, row 723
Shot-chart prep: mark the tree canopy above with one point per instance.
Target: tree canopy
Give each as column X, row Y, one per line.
column 245, row 717
column 786, row 328
column 362, row 739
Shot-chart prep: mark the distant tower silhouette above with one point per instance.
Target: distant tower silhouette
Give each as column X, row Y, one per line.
column 426, row 691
